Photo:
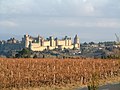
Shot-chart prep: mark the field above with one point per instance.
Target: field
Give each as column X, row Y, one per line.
column 24, row 73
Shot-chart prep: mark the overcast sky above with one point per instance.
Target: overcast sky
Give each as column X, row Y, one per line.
column 92, row 20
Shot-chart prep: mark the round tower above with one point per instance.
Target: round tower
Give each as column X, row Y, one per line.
column 76, row 42
column 39, row 40
column 56, row 41
column 51, row 41
column 26, row 40
column 66, row 41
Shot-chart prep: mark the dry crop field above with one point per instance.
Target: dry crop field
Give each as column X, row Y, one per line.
column 20, row 73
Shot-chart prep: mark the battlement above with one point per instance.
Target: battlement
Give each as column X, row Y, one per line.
column 39, row 43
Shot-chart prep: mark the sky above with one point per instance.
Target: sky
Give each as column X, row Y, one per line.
column 92, row 20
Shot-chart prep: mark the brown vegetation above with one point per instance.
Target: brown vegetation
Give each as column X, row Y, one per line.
column 20, row 73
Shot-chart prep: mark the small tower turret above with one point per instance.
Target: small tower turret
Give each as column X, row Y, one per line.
column 39, row 40
column 77, row 42
column 76, row 39
column 51, row 41
column 26, row 40
column 66, row 41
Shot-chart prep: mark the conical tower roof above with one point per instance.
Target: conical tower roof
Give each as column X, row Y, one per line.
column 76, row 36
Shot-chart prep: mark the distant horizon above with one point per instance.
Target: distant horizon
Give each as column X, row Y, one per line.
column 19, row 37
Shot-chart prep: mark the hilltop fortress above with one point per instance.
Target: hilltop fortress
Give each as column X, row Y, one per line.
column 40, row 44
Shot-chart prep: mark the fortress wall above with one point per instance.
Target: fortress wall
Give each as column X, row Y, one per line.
column 54, row 43
column 70, row 47
column 69, row 42
column 67, row 47
column 51, row 43
column 61, row 42
column 77, row 46
column 35, row 44
column 46, row 43
column 52, row 47
column 37, row 47
column 66, row 42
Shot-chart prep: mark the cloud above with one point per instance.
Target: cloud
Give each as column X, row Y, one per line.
column 88, row 8
column 86, row 23
column 68, row 22
column 8, row 24
column 98, row 24
column 61, row 16
column 55, row 7
column 15, row 6
column 84, row 1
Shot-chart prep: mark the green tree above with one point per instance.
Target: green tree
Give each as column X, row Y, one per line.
column 24, row 53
